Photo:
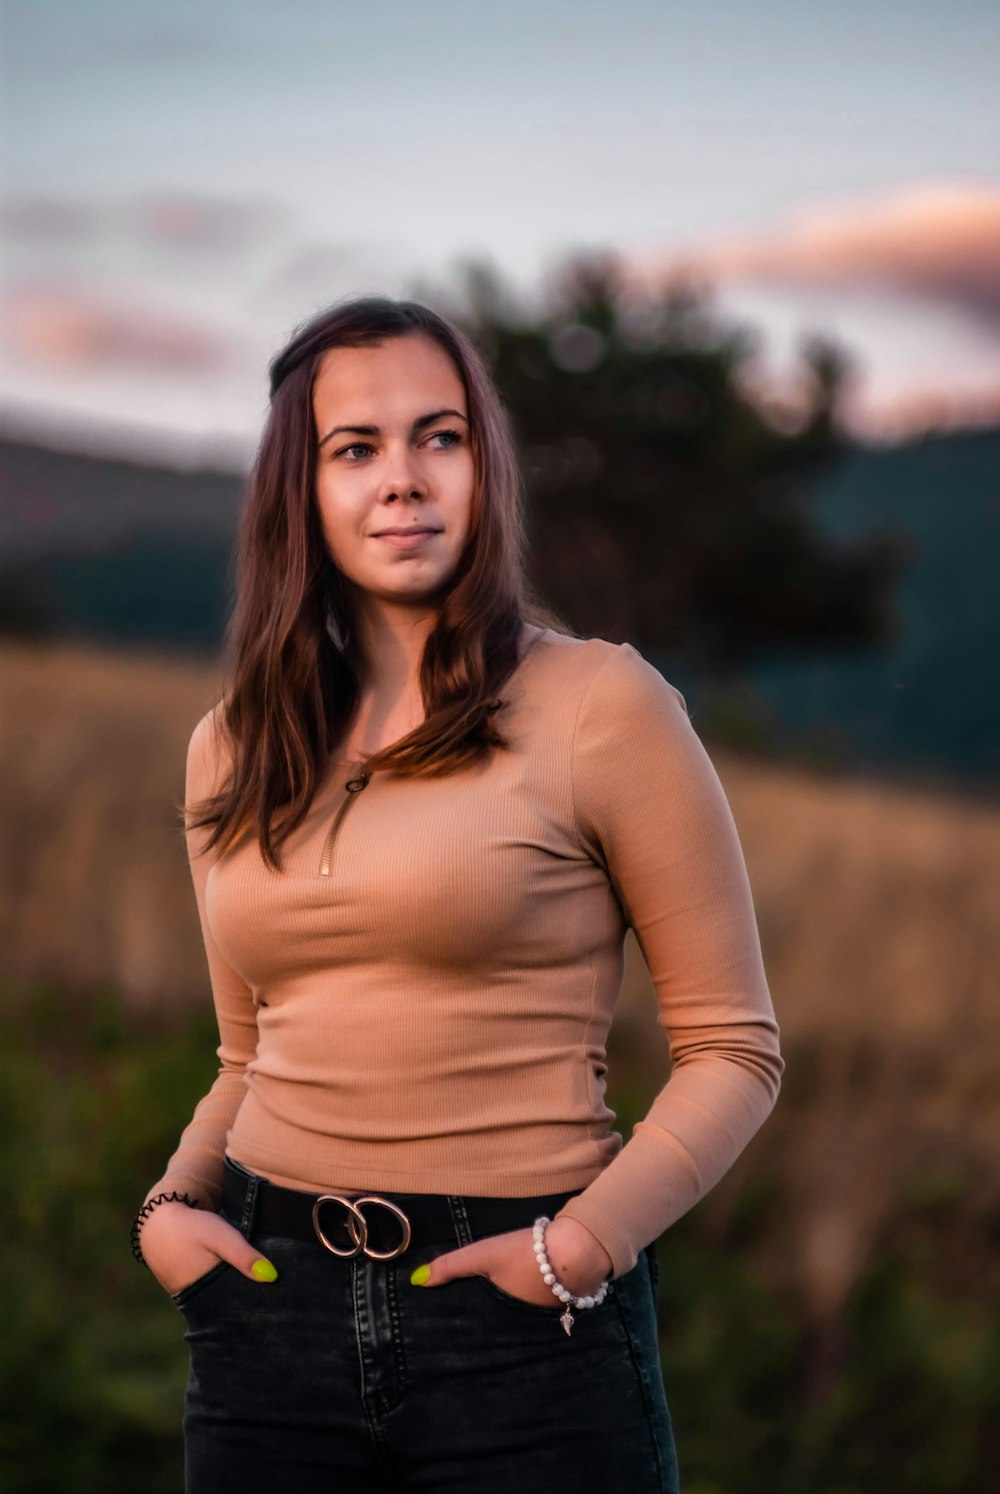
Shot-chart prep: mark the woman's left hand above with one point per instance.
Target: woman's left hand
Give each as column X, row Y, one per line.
column 578, row 1259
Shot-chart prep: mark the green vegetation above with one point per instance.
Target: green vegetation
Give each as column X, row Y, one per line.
column 92, row 1358
column 94, row 1364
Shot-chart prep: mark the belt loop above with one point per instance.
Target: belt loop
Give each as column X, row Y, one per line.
column 249, row 1204
column 460, row 1219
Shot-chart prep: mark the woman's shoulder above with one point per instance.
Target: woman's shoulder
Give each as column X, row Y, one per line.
column 207, row 754
column 612, row 676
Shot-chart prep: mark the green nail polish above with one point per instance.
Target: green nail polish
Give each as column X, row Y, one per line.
column 421, row 1276
column 263, row 1270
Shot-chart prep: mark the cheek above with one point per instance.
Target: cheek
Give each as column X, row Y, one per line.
column 339, row 517
column 460, row 490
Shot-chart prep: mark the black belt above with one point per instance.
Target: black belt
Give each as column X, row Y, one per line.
column 380, row 1225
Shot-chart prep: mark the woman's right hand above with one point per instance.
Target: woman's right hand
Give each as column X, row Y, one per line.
column 180, row 1243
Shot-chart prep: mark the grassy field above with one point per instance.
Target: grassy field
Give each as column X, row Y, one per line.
column 828, row 1312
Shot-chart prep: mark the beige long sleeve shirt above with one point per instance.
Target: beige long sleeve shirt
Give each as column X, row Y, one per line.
column 420, row 1000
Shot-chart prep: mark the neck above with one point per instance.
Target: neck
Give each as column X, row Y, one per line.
column 391, row 641
column 390, row 705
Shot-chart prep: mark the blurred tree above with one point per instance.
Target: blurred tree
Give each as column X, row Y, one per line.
column 667, row 503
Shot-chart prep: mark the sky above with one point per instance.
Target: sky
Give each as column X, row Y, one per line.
column 180, row 186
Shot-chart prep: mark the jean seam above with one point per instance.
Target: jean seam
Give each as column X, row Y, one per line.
column 249, row 1205
column 637, row 1366
column 460, row 1219
column 397, row 1335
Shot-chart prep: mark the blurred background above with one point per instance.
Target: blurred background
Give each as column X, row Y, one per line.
column 737, row 270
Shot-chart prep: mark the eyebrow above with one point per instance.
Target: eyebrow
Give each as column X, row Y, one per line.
column 375, row 430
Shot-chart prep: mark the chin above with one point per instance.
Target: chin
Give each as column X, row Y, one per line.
column 418, row 591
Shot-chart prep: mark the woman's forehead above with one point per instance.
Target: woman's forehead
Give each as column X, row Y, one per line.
column 382, row 374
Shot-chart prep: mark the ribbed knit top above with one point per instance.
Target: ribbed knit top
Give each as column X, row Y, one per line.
column 420, row 1001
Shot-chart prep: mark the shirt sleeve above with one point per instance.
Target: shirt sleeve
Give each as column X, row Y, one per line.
column 650, row 808
column 196, row 1165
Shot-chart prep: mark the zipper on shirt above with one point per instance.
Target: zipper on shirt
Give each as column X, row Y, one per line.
column 359, row 780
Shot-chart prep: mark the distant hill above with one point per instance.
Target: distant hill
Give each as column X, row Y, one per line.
column 102, row 550
column 931, row 698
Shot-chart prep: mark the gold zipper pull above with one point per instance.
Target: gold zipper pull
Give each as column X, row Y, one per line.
column 359, row 780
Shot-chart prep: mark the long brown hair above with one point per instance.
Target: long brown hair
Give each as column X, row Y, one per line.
column 291, row 674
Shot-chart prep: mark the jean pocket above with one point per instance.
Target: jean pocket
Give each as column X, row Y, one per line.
column 491, row 1288
column 193, row 1288
column 500, row 1294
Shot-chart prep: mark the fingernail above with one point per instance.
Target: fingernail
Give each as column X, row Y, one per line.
column 421, row 1276
column 263, row 1270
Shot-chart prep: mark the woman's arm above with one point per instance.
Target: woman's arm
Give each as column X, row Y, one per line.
column 650, row 808
column 196, row 1165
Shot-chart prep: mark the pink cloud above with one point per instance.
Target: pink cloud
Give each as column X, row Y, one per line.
column 65, row 331
column 938, row 241
column 927, row 409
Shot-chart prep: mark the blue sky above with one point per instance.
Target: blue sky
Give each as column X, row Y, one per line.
column 349, row 148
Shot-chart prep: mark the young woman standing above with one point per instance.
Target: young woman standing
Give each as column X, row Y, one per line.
column 408, row 1248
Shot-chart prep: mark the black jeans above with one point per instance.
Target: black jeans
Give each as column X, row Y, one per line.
column 342, row 1375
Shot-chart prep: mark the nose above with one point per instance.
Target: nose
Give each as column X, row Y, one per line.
column 401, row 476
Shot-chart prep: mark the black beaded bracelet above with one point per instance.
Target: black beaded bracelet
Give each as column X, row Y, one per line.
column 144, row 1214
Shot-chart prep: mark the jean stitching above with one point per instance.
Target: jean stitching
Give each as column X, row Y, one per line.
column 361, row 1324
column 397, row 1334
column 249, row 1206
column 637, row 1365
column 460, row 1219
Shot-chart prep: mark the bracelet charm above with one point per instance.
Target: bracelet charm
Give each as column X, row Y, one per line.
column 549, row 1277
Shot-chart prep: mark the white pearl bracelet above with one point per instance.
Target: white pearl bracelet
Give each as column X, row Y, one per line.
column 549, row 1276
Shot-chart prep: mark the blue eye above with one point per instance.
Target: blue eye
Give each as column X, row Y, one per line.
column 456, row 440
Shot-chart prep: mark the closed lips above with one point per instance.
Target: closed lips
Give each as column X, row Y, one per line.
column 406, row 541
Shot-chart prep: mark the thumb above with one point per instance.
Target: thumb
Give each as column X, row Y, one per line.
column 232, row 1246
column 254, row 1265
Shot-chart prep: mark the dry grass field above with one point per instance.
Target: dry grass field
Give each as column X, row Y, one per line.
column 879, row 911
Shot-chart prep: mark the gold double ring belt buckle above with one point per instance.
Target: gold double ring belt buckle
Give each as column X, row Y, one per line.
column 357, row 1225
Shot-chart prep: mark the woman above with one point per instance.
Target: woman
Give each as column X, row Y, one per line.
column 405, row 1241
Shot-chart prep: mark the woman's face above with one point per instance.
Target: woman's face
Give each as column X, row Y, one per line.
column 394, row 455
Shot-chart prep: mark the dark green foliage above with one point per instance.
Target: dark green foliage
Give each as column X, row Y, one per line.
column 665, row 504
column 92, row 1363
